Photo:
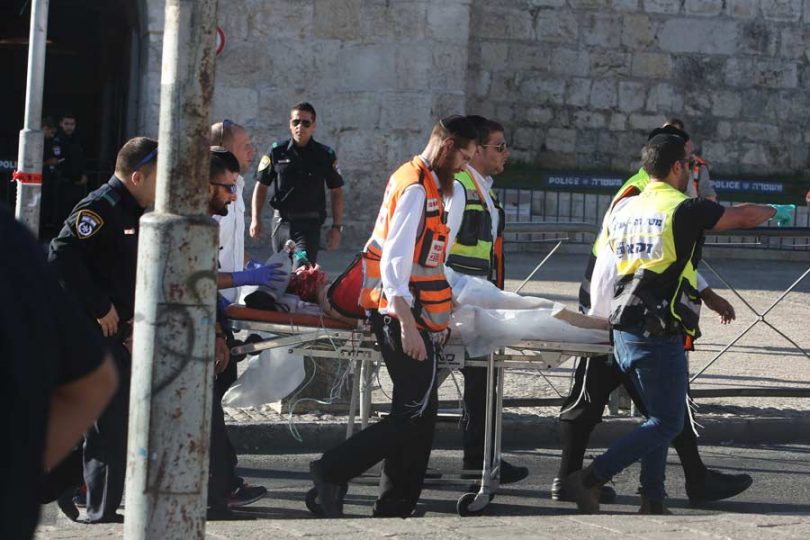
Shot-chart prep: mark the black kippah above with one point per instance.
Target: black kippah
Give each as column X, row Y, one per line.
column 669, row 130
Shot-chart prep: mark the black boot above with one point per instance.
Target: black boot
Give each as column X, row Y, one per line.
column 716, row 486
column 330, row 495
column 558, row 493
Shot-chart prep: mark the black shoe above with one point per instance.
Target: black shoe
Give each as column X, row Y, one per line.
column 509, row 474
column 717, row 486
column 112, row 518
column 653, row 508
column 330, row 496
column 390, row 509
column 608, row 495
column 245, row 495
column 67, row 506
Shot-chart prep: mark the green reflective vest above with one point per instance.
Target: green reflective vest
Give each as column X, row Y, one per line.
column 656, row 289
column 475, row 252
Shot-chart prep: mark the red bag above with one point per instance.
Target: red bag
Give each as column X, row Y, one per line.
column 344, row 293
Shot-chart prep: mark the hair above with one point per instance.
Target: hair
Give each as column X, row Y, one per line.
column 218, row 167
column 227, row 158
column 305, row 106
column 133, row 153
column 68, row 114
column 484, row 127
column 222, row 132
column 49, row 122
column 456, row 127
column 677, row 122
column 660, row 154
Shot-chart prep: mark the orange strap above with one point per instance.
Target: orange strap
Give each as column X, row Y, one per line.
column 26, row 178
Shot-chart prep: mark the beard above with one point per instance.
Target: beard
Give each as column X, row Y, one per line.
column 216, row 208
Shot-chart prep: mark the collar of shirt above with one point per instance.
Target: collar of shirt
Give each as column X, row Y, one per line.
column 127, row 199
column 485, row 182
column 306, row 148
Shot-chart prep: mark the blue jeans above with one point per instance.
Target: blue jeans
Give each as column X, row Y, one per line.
column 657, row 365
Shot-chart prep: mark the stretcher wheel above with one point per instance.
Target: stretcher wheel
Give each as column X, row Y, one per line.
column 311, row 500
column 463, row 505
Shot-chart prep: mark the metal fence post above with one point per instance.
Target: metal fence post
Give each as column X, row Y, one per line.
column 172, row 364
column 29, row 155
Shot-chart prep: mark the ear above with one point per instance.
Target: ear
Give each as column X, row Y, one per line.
column 136, row 178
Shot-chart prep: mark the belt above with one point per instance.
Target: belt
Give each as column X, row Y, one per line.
column 299, row 215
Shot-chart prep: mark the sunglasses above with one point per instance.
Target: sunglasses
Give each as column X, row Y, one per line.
column 231, row 187
column 500, row 148
column 305, row 123
column 149, row 157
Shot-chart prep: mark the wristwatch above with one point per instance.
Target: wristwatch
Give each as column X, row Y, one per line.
column 338, row 227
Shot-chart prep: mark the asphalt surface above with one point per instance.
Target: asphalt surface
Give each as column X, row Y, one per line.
column 776, row 506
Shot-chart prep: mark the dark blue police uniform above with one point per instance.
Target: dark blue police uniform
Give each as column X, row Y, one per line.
column 96, row 255
column 300, row 176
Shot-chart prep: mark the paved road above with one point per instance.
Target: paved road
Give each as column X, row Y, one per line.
column 777, row 505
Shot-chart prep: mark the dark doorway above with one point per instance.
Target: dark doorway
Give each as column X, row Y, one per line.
column 92, row 46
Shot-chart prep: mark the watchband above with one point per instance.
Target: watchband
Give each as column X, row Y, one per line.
column 338, row 227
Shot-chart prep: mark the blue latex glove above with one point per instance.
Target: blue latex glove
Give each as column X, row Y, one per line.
column 263, row 275
column 784, row 213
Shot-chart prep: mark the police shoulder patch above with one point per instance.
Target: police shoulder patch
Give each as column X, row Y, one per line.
column 88, row 223
column 265, row 162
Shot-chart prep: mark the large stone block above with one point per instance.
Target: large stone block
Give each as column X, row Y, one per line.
column 538, row 115
column 284, row 19
column 618, row 122
column 743, row 9
column 757, row 132
column 449, row 21
column 723, row 130
column 359, row 146
column 589, row 119
column 414, row 70
column 233, row 18
column 772, row 74
column 447, row 103
column 238, row 104
column 364, row 113
column 448, row 68
column 795, row 40
column 529, row 138
column 602, row 29
column 697, row 104
column 557, row 26
column 589, row 4
column 726, row 104
column 638, row 31
column 561, row 140
column 529, row 56
column 753, row 154
column 543, row 90
column 578, row 92
column 501, row 21
column 705, row 8
column 702, row 36
column 632, row 96
column 547, row 3
column 782, row 10
column 565, row 61
column 758, row 37
column 610, row 64
column 493, row 54
column 662, row 6
column 646, row 122
column 698, row 72
column 625, row 5
column 368, row 67
column 383, row 21
column 401, row 110
column 652, row 65
column 337, row 19
column 603, row 94
column 293, row 66
column 481, row 83
column 663, row 99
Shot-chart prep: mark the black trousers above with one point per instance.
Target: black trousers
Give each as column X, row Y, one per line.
column 602, row 376
column 105, row 444
column 222, row 460
column 403, row 438
column 306, row 233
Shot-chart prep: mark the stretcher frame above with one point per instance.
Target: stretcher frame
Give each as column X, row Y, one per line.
column 358, row 345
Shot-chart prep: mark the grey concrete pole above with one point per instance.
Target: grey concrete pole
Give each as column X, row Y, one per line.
column 173, row 348
column 29, row 155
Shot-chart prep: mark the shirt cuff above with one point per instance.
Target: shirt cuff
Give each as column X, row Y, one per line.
column 701, row 283
column 391, row 292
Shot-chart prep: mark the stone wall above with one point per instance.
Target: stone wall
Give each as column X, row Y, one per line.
column 578, row 83
column 582, row 81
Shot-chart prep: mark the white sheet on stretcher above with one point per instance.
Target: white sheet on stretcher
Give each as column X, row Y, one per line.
column 487, row 318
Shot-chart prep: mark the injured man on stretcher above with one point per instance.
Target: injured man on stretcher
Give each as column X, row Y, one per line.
column 484, row 320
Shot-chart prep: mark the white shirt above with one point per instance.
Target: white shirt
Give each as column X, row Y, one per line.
column 455, row 205
column 605, row 272
column 232, row 238
column 396, row 261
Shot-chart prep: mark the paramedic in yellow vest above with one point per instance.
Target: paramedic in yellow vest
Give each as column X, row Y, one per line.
column 408, row 301
column 656, row 238
column 476, row 221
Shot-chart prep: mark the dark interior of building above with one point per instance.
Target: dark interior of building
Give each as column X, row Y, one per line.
column 87, row 73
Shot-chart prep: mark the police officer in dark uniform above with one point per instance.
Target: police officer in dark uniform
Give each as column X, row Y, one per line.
column 298, row 169
column 96, row 256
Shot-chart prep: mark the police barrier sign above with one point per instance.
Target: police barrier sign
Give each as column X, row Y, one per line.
column 573, row 181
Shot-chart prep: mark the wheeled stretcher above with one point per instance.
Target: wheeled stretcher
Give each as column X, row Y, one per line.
column 324, row 337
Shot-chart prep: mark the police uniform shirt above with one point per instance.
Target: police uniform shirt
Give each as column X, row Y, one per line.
column 300, row 173
column 96, row 252
column 43, row 344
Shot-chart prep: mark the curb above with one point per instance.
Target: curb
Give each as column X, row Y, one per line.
column 275, row 438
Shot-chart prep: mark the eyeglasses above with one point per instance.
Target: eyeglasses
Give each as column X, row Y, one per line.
column 500, row 147
column 149, row 157
column 231, row 187
column 305, row 123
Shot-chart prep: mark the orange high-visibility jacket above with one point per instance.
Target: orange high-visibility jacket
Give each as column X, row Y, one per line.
column 430, row 290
